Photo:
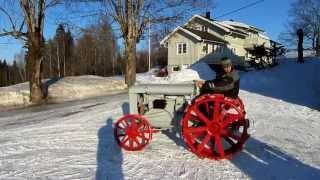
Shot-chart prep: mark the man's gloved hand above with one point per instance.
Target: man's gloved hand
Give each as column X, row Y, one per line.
column 199, row 83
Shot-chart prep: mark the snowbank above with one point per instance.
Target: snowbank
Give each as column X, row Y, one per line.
column 198, row 71
column 65, row 89
column 71, row 88
column 15, row 95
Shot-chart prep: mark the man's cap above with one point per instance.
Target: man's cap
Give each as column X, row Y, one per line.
column 225, row 62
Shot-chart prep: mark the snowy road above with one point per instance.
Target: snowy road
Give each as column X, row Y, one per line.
column 75, row 140
column 28, row 116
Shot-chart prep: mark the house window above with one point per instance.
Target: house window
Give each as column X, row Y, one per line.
column 205, row 49
column 213, row 48
column 204, row 28
column 176, row 68
column 182, row 48
column 233, row 50
column 221, row 49
column 217, row 48
column 197, row 28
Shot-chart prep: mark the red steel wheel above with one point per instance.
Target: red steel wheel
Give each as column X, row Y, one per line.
column 132, row 132
column 214, row 127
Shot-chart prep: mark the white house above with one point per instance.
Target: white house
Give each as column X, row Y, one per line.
column 205, row 39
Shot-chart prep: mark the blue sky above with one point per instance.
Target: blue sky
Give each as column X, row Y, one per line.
column 270, row 15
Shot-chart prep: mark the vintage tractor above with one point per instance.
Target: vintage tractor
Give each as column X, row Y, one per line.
column 211, row 125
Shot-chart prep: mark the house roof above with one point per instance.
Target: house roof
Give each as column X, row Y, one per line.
column 177, row 29
column 233, row 29
column 207, row 36
column 227, row 26
column 198, row 35
column 243, row 25
column 264, row 36
column 209, row 21
column 224, row 26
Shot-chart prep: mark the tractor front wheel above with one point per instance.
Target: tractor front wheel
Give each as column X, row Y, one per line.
column 132, row 132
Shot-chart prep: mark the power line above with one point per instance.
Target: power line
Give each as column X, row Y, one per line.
column 9, row 43
column 239, row 9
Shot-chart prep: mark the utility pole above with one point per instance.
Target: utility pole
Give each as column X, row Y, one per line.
column 58, row 57
column 50, row 63
column 149, row 57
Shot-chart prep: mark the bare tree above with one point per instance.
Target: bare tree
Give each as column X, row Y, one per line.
column 97, row 49
column 29, row 28
column 304, row 14
column 132, row 17
column 159, row 53
column 19, row 58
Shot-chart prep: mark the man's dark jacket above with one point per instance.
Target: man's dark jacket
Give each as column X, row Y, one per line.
column 227, row 84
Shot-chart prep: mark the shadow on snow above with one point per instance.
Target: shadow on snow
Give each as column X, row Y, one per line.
column 261, row 161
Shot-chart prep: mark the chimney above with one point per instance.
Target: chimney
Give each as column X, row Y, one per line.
column 208, row 15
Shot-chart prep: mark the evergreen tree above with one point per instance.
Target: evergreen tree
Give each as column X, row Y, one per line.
column 5, row 73
column 1, row 73
column 69, row 44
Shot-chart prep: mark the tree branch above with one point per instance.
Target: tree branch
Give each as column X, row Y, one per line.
column 41, row 15
column 52, row 3
column 10, row 18
column 15, row 34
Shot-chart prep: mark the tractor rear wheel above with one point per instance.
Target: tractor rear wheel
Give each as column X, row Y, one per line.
column 214, row 126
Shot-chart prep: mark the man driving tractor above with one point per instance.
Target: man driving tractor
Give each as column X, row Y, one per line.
column 226, row 83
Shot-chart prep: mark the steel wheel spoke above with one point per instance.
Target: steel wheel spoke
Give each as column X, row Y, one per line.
column 219, row 146
column 196, row 129
column 141, row 125
column 216, row 109
column 144, row 135
column 231, row 135
column 130, row 143
column 203, row 143
column 193, row 138
column 230, row 118
column 229, row 141
column 125, row 139
column 118, row 126
column 134, row 123
column 124, row 125
column 136, row 141
column 201, row 116
column 207, row 106
column 193, row 118
column 121, row 135
column 143, row 138
column 145, row 131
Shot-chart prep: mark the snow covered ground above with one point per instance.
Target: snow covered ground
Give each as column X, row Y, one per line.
column 198, row 71
column 75, row 140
